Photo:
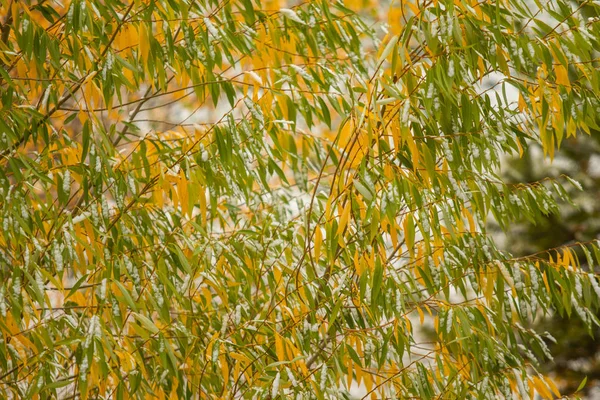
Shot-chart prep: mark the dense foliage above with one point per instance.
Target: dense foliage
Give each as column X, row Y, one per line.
column 575, row 351
column 244, row 198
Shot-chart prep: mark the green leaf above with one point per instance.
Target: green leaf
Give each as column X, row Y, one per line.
column 147, row 323
column 581, row 385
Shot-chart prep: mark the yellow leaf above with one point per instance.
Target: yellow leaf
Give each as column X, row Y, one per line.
column 522, row 103
column 344, row 218
column 182, row 192
column 359, row 373
column 279, row 350
column 412, row 146
column 552, row 386
column 562, row 76
column 421, row 315
column 481, row 68
column 395, row 129
column 585, row 128
column 240, row 357
column 571, row 127
column 144, row 42
column 414, row 8
column 277, row 275
column 211, row 343
column 520, row 148
column 224, row 367
column 318, row 240
column 541, row 388
column 469, row 216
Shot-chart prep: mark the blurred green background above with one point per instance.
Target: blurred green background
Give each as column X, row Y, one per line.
column 577, row 350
